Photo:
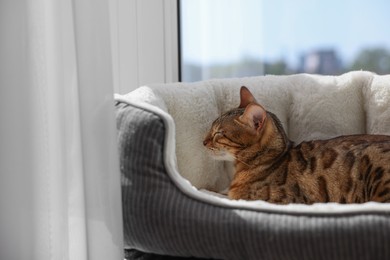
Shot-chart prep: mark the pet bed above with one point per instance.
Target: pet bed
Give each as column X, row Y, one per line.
column 171, row 188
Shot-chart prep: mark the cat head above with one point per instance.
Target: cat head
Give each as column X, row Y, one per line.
column 237, row 129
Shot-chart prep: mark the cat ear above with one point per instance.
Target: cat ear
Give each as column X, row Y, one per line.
column 246, row 97
column 254, row 116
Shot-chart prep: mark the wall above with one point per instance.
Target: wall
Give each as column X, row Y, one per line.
column 144, row 42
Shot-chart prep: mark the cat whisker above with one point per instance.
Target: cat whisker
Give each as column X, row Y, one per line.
column 241, row 161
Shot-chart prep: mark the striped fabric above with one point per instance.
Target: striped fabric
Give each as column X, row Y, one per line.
column 160, row 219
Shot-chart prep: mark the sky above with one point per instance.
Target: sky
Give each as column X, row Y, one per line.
column 217, row 31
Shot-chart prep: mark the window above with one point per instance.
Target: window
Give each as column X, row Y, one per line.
column 235, row 38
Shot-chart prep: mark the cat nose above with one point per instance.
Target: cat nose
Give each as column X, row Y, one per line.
column 206, row 141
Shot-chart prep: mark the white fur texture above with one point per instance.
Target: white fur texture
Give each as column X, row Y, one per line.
column 309, row 106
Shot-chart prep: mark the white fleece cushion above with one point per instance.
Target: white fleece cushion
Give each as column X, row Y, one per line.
column 309, row 107
column 377, row 96
column 327, row 106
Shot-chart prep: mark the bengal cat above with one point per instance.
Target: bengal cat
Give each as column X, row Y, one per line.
column 270, row 167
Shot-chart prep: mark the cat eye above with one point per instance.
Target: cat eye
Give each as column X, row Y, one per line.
column 229, row 141
column 217, row 135
column 220, row 133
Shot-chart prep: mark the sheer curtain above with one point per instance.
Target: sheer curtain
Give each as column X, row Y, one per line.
column 59, row 170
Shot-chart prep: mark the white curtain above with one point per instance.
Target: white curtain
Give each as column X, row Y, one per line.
column 59, row 169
